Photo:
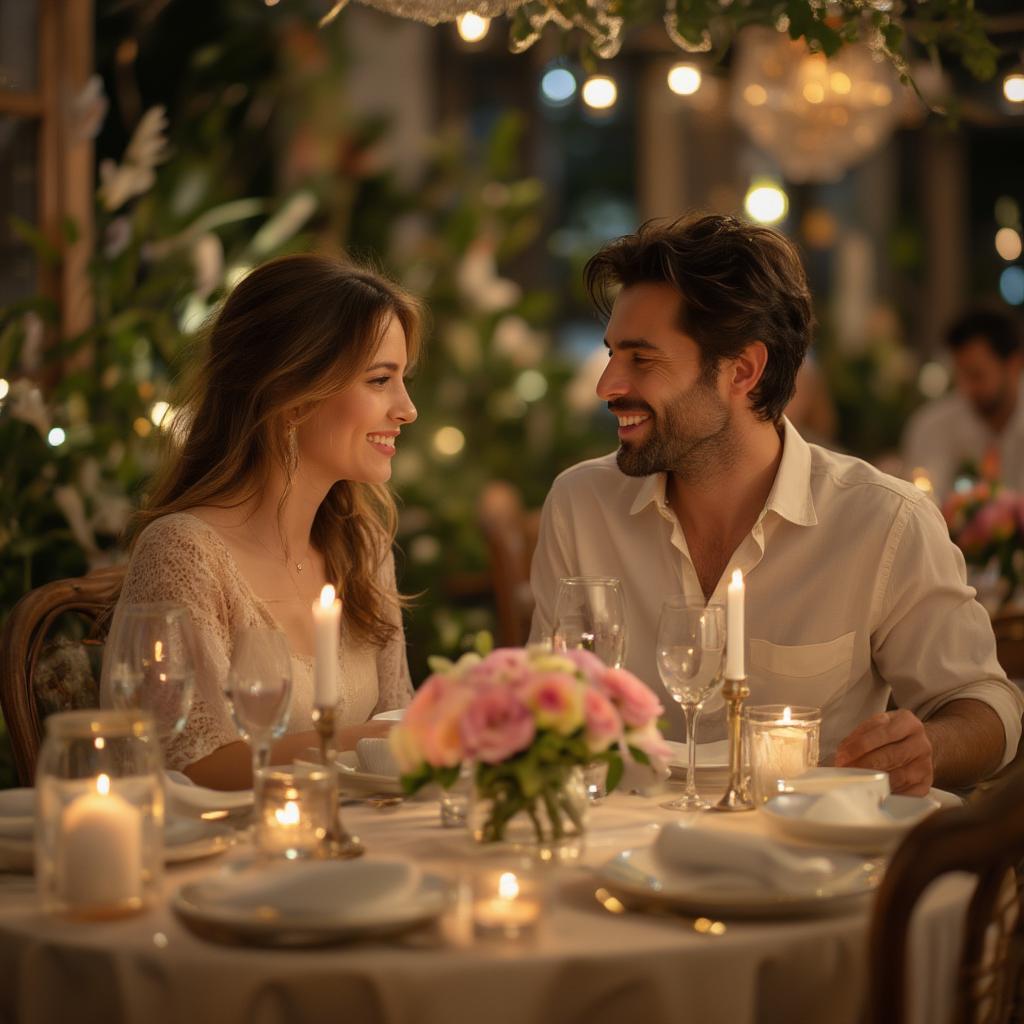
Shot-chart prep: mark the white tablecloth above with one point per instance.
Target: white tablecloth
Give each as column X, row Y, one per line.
column 586, row 965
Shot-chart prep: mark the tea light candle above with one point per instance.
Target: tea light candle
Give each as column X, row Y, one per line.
column 505, row 905
column 293, row 812
column 734, row 627
column 327, row 628
column 783, row 744
column 100, row 851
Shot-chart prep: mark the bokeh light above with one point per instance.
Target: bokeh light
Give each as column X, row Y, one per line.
column 766, row 203
column 449, row 441
column 600, row 92
column 472, row 27
column 684, row 79
column 56, row 437
column 1008, row 244
column 558, row 86
column 1011, row 285
column 1013, row 87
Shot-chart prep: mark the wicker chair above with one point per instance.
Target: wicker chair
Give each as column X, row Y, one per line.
column 510, row 531
column 50, row 633
column 986, row 839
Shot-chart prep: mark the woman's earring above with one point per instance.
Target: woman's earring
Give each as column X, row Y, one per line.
column 293, row 450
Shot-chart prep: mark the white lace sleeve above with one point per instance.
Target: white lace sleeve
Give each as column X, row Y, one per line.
column 393, row 680
column 174, row 560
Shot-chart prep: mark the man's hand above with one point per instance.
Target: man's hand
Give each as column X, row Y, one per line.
column 895, row 742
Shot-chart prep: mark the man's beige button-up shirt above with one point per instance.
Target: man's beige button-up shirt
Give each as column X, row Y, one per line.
column 854, row 589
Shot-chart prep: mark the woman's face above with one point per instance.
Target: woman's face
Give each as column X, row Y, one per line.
column 352, row 435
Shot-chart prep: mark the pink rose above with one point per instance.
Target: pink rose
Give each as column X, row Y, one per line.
column 587, row 662
column 556, row 700
column 650, row 741
column 431, row 726
column 634, row 701
column 506, row 666
column 496, row 725
column 603, row 726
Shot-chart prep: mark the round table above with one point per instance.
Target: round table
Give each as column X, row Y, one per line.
column 585, row 964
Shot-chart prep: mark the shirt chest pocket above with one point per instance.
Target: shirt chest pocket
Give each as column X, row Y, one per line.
column 811, row 674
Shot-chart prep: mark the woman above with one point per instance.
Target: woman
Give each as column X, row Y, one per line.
column 276, row 486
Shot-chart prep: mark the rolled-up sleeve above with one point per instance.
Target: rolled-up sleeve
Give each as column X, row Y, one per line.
column 933, row 643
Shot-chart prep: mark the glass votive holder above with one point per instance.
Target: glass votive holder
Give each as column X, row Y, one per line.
column 454, row 801
column 507, row 899
column 99, row 814
column 293, row 811
column 782, row 741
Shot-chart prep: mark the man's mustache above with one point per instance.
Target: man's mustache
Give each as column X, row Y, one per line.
column 627, row 407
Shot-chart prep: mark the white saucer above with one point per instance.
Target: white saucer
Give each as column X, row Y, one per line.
column 639, row 875
column 332, row 907
column 786, row 811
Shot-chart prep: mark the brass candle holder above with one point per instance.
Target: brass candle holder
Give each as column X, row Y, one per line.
column 737, row 794
column 339, row 843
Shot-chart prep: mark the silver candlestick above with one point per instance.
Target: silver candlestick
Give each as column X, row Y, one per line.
column 338, row 843
column 737, row 795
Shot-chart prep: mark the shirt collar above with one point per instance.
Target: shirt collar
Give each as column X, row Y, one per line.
column 790, row 495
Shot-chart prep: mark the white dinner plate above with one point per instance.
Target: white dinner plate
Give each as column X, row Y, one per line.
column 395, row 715
column 786, row 813
column 641, row 876
column 712, row 758
column 324, row 913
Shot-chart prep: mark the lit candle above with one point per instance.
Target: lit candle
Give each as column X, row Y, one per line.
column 508, row 909
column 734, row 668
column 327, row 624
column 781, row 746
column 100, row 850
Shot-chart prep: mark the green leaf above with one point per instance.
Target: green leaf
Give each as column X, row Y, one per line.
column 615, row 770
column 44, row 249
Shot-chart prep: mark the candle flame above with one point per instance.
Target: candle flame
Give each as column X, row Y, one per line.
column 289, row 815
column 508, row 886
column 737, row 577
column 787, row 715
column 103, row 785
column 327, row 596
column 158, row 651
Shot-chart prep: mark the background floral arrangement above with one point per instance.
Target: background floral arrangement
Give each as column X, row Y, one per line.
column 525, row 719
column 986, row 522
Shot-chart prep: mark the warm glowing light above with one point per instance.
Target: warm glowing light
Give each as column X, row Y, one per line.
column 558, row 86
column 158, row 651
column 449, row 441
column 600, row 92
column 471, row 27
column 814, row 92
column 787, row 715
column 289, row 814
column 1013, row 87
column 158, row 412
column 921, row 480
column 531, row 385
column 756, row 95
column 103, row 784
column 327, row 596
column 1008, row 244
column 99, row 743
column 882, row 95
column 684, row 79
column 56, row 437
column 840, row 82
column 508, row 886
column 767, row 204
column 5, row 388
column 933, row 380
column 142, row 426
column 1007, row 212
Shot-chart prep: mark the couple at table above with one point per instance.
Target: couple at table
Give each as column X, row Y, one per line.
column 854, row 590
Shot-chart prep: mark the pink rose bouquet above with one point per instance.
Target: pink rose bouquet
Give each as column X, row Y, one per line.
column 525, row 719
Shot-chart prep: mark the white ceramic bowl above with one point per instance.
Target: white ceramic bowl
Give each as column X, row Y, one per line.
column 823, row 780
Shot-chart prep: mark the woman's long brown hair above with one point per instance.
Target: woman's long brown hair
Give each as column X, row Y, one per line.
column 293, row 332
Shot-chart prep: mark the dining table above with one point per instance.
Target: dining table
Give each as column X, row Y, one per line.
column 592, row 959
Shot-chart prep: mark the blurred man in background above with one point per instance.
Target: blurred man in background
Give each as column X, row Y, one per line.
column 978, row 429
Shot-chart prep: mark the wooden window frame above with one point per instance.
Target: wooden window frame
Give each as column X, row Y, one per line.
column 64, row 161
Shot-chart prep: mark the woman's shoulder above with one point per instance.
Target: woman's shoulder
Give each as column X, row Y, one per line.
column 180, row 528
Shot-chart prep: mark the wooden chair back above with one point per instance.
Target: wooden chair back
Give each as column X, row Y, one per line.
column 986, row 839
column 27, row 644
column 1008, row 627
column 510, row 531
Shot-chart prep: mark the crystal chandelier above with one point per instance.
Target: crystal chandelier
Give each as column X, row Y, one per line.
column 816, row 116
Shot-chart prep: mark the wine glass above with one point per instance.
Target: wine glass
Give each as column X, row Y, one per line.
column 149, row 663
column 590, row 615
column 259, row 689
column 691, row 649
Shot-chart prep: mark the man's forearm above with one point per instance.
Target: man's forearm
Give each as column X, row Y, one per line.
column 968, row 741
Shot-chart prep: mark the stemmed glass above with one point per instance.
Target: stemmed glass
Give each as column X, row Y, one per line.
column 259, row 689
column 149, row 663
column 691, row 649
column 590, row 615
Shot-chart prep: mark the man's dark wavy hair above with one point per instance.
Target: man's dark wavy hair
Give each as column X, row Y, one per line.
column 738, row 282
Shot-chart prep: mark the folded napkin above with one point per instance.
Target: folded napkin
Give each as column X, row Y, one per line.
column 337, row 888
column 394, row 715
column 734, row 855
column 847, row 805
column 185, row 797
column 375, row 757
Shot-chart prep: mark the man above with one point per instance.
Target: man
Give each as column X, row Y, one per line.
column 854, row 590
column 980, row 426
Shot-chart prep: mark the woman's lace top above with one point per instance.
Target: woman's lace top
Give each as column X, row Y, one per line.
column 182, row 559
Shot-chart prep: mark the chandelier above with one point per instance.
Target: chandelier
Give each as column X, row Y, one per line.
column 816, row 116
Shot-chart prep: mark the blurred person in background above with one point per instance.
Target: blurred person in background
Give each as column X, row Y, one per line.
column 977, row 430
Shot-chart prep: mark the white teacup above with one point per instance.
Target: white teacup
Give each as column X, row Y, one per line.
column 824, row 780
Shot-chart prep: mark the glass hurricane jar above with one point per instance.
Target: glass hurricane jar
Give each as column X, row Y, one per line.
column 99, row 813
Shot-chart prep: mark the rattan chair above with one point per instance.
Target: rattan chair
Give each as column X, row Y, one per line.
column 986, row 839
column 510, row 531
column 52, row 627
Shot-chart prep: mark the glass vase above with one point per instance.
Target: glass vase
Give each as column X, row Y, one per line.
column 550, row 824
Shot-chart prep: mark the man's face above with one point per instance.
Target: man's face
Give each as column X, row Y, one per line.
column 988, row 382
column 672, row 417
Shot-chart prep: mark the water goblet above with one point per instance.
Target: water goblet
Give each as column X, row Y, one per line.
column 258, row 689
column 690, row 656
column 149, row 664
column 590, row 615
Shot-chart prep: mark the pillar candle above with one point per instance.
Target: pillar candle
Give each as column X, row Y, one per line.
column 327, row 623
column 734, row 667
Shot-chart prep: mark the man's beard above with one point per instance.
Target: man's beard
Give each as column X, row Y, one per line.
column 691, row 436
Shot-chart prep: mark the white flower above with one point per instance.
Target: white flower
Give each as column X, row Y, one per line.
column 208, row 260
column 518, row 342
column 26, row 404
column 285, row 223
column 70, row 502
column 148, row 145
column 89, row 109
column 117, row 237
column 477, row 279
column 133, row 177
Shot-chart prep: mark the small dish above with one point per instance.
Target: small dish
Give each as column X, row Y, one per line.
column 187, row 839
